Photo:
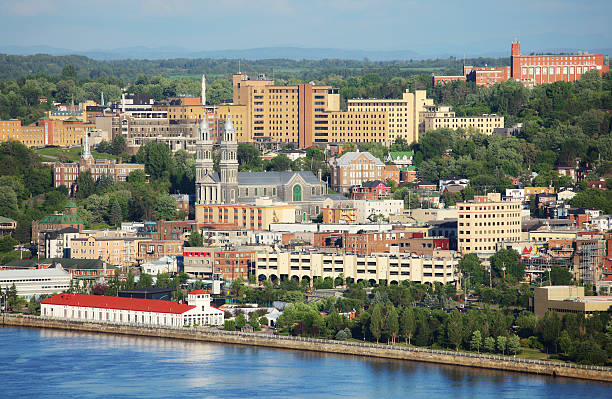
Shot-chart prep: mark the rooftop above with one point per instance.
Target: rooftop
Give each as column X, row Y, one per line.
column 113, row 302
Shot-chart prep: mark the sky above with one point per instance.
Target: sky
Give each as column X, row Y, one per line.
column 472, row 27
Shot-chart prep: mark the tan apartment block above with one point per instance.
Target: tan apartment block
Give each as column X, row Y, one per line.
column 118, row 251
column 485, row 222
column 251, row 216
column 443, row 116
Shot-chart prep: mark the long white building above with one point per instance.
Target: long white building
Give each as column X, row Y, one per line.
column 36, row 282
column 116, row 310
column 392, row 268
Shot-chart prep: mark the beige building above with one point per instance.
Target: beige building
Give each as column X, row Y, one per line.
column 288, row 114
column 486, row 221
column 113, row 249
column 393, row 269
column 257, row 215
column 568, row 299
column 443, row 116
column 358, row 127
column 402, row 117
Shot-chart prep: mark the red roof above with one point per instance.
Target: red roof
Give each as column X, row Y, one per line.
column 199, row 292
column 114, row 302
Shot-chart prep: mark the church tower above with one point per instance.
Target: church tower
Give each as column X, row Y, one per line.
column 204, row 164
column 228, row 165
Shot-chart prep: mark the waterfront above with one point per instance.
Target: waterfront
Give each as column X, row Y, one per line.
column 45, row 363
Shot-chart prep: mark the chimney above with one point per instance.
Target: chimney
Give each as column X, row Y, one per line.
column 203, row 89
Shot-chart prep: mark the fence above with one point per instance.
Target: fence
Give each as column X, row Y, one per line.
column 211, row 331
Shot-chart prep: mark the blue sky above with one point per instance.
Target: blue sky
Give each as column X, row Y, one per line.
column 429, row 27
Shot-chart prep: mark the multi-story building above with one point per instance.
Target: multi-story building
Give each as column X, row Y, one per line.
column 231, row 264
column 66, row 174
column 487, row 75
column 567, row 299
column 289, row 114
column 69, row 218
column 149, row 250
column 116, row 250
column 371, row 190
column 443, row 116
column 355, row 127
column 339, row 215
column 369, row 210
column 252, row 216
column 403, row 115
column 355, row 168
column 46, row 132
column 485, row 221
column 536, row 69
column 57, row 242
column 444, row 79
column 375, row 268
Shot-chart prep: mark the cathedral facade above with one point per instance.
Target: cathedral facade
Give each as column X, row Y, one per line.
column 228, row 186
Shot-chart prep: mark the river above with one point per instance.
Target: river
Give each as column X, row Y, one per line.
column 45, row 363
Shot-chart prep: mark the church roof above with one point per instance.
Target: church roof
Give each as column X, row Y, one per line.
column 274, row 178
column 349, row 157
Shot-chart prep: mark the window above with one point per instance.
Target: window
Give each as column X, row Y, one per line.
column 297, row 193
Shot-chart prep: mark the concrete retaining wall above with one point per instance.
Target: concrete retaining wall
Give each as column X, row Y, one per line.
column 319, row 345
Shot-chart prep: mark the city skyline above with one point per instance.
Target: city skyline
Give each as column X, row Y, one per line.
column 420, row 29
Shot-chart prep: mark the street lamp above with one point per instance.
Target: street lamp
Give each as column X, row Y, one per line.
column 549, row 280
column 504, row 270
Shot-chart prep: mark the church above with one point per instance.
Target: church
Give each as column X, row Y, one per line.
column 228, row 186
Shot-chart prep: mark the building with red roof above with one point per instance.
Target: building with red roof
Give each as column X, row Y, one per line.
column 117, row 310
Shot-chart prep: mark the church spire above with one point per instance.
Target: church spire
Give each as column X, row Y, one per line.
column 86, row 152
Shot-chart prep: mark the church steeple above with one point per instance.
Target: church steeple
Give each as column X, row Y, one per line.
column 86, row 154
column 228, row 165
column 204, row 161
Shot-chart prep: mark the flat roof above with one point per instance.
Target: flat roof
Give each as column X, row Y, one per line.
column 113, row 302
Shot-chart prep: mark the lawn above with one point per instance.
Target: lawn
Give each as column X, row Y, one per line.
column 71, row 154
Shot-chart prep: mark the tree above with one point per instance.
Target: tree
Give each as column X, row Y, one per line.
column 376, row 322
column 343, row 335
column 229, row 325
column 501, row 344
column 157, row 159
column 510, row 259
column 514, row 345
column 476, row 341
column 249, row 157
column 254, row 321
column 407, row 324
column 145, row 281
column 472, row 269
column 115, row 214
column 280, row 163
column 241, row 321
column 455, row 330
column 118, row 145
column 86, row 185
column 489, row 344
column 165, row 207
column 391, row 324
column 196, row 239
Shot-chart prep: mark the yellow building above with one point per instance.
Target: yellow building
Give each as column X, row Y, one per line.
column 249, row 216
column 10, row 130
column 568, row 299
column 548, row 234
column 290, row 114
column 486, row 221
column 532, row 191
column 402, row 115
column 358, row 127
column 339, row 215
column 239, row 119
column 443, row 116
column 116, row 250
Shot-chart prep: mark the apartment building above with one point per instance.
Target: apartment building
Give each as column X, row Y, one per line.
column 391, row 268
column 289, row 114
column 486, row 221
column 356, row 127
column 256, row 215
column 486, row 76
column 46, row 132
column 115, row 250
column 403, row 115
column 339, row 215
column 367, row 210
column 443, row 116
column 150, row 250
column 536, row 69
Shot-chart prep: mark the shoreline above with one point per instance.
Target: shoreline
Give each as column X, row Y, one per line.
column 502, row 363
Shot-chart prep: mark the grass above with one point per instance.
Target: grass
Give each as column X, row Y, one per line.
column 72, row 154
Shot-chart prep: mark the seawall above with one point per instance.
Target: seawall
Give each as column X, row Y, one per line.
column 319, row 345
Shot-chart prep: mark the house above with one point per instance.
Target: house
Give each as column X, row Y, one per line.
column 375, row 189
column 598, row 184
column 458, row 183
column 117, row 310
column 426, row 185
column 7, row 226
column 408, row 174
column 400, row 158
column 354, row 168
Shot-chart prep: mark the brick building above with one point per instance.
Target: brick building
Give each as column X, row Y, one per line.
column 370, row 190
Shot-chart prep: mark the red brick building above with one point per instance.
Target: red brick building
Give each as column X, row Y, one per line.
column 371, row 190
column 441, row 80
column 232, row 264
column 532, row 70
column 487, row 75
column 370, row 242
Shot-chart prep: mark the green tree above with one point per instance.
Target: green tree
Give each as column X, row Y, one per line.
column 501, row 344
column 280, row 163
column 241, row 321
column 391, row 324
column 455, row 329
column 472, row 269
column 249, row 157
column 165, row 207
column 489, row 344
column 196, row 239
column 116, row 214
column 157, row 158
column 514, row 345
column 509, row 259
column 229, row 325
column 407, row 324
column 476, row 341
column 118, row 145
column 145, row 281
column 376, row 322
column 86, row 185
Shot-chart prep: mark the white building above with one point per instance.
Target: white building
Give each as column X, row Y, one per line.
column 165, row 264
column 368, row 208
column 57, row 242
column 566, row 194
column 36, row 282
column 97, row 308
column 515, row 194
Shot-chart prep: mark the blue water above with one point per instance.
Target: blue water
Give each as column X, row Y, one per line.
column 38, row 363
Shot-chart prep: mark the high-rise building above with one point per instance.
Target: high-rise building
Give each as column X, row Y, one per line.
column 487, row 221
